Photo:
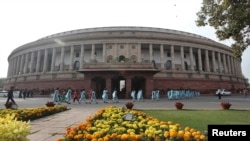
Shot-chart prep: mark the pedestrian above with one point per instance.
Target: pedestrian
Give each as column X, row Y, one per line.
column 153, row 94
column 139, row 95
column 76, row 96
column 10, row 96
column 133, row 94
column 157, row 94
column 24, row 93
column 92, row 96
column 219, row 95
column 114, row 96
column 68, row 95
column 56, row 96
column 83, row 96
column 105, row 95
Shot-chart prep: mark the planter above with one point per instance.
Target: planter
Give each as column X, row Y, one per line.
column 50, row 104
column 225, row 105
column 179, row 105
column 8, row 105
column 129, row 105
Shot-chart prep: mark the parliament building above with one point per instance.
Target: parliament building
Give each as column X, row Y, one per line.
column 125, row 58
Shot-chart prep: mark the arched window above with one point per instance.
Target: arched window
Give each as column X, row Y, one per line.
column 121, row 58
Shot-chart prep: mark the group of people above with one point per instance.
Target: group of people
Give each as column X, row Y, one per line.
column 74, row 95
column 137, row 96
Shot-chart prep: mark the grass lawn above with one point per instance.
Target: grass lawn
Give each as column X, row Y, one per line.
column 199, row 119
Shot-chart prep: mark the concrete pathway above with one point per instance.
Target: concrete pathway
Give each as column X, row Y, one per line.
column 53, row 127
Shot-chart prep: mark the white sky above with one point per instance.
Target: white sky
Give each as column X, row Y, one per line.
column 24, row 21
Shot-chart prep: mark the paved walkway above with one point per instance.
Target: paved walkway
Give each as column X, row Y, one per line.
column 53, row 127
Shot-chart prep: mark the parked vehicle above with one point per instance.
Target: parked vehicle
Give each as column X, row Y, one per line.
column 5, row 93
column 223, row 92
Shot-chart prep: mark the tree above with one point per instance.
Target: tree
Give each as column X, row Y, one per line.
column 230, row 19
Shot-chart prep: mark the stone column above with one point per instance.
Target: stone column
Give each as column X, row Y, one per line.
column 199, row 59
column 104, row 52
column 150, row 53
column 32, row 62
column 15, row 66
column 207, row 61
column 172, row 58
column 10, row 62
column 62, row 59
column 38, row 61
column 182, row 59
column 191, row 59
column 53, row 59
column 219, row 62
column 71, row 58
column 92, row 52
column 162, row 56
column 45, row 62
column 224, row 63
column 232, row 65
column 22, row 65
column 26, row 63
column 19, row 62
column 213, row 61
column 82, row 57
column 228, row 65
column 139, row 53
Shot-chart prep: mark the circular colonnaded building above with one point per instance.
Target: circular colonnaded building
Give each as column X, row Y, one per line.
column 124, row 58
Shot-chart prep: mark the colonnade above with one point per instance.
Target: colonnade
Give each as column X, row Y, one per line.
column 182, row 58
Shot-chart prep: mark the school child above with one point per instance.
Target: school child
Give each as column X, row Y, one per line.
column 133, row 95
column 139, row 95
column 68, row 96
column 76, row 96
column 105, row 95
column 114, row 96
column 92, row 96
column 56, row 96
column 83, row 96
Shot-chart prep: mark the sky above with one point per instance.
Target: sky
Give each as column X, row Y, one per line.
column 25, row 21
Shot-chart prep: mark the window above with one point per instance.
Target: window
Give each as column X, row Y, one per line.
column 168, row 54
column 77, row 55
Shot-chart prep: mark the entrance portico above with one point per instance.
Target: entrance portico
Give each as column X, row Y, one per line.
column 123, row 80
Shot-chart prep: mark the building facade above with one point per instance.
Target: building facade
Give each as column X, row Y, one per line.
column 124, row 58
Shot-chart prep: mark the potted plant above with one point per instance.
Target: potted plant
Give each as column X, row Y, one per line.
column 50, row 104
column 179, row 105
column 129, row 105
column 225, row 105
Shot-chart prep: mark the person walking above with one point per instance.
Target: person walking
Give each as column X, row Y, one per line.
column 76, row 96
column 114, row 96
column 10, row 97
column 105, row 95
column 153, row 94
column 139, row 95
column 68, row 95
column 92, row 96
column 56, row 98
column 133, row 94
column 83, row 96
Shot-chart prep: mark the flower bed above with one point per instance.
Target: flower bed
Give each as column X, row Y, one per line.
column 110, row 124
column 33, row 113
column 13, row 130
